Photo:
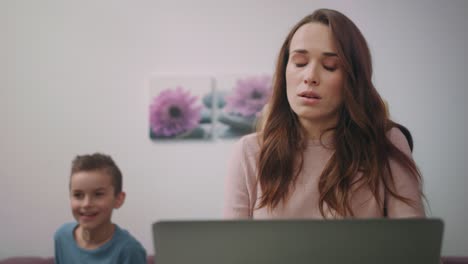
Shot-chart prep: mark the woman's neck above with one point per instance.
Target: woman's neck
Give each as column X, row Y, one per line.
column 318, row 130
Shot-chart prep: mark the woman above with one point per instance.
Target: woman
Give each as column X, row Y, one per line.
column 327, row 148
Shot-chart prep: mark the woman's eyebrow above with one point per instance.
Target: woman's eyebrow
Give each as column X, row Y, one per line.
column 329, row 54
column 300, row 51
column 326, row 54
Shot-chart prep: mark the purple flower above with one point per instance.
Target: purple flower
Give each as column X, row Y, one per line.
column 174, row 112
column 249, row 96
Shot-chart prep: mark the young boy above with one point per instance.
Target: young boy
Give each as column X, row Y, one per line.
column 95, row 191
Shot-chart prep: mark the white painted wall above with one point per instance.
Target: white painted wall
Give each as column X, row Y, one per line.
column 72, row 81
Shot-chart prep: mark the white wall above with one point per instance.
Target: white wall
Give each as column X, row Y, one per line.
column 72, row 81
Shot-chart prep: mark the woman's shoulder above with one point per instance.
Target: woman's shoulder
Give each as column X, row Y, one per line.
column 399, row 139
column 250, row 139
column 395, row 133
column 249, row 143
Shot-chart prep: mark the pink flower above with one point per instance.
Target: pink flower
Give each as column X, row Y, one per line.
column 249, row 96
column 173, row 112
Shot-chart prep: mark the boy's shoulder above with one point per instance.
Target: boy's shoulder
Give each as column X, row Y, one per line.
column 130, row 250
column 65, row 230
column 127, row 241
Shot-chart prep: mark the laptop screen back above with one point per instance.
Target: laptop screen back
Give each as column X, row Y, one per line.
column 298, row 241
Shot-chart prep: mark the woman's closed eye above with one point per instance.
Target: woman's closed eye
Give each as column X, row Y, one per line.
column 299, row 60
column 330, row 64
column 330, row 68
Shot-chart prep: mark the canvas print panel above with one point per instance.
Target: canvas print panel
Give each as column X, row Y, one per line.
column 180, row 107
column 240, row 99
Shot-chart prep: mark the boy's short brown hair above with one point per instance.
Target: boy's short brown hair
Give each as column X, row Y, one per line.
column 98, row 161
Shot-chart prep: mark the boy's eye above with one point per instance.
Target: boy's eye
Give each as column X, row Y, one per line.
column 78, row 195
column 99, row 194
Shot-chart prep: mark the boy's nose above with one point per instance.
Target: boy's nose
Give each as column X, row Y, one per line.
column 87, row 201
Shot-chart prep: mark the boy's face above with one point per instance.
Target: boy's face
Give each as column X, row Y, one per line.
column 92, row 198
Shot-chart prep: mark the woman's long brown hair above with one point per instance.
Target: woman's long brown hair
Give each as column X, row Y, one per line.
column 360, row 136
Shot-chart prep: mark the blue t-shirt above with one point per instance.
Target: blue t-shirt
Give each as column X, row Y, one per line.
column 123, row 248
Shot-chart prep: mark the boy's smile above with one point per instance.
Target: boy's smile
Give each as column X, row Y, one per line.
column 88, row 216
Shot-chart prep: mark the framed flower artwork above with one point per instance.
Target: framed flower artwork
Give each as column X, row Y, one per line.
column 240, row 100
column 180, row 107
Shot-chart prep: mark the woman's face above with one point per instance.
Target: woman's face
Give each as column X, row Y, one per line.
column 314, row 76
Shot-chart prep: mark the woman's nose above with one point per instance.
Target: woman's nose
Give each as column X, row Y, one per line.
column 311, row 77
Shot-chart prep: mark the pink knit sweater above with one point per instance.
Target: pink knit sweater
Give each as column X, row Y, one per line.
column 242, row 192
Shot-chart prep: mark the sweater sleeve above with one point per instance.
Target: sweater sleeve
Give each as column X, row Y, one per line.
column 237, row 198
column 406, row 184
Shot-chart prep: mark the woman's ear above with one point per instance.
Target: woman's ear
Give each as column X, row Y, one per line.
column 119, row 200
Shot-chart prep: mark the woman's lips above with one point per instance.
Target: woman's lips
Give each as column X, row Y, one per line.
column 309, row 97
column 310, row 94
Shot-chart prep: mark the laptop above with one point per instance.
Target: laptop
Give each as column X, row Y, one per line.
column 369, row 241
